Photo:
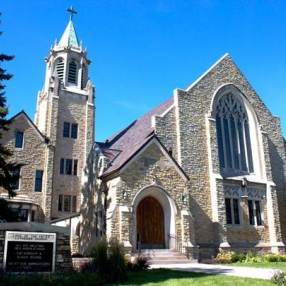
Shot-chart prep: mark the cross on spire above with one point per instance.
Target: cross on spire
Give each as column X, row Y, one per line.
column 72, row 12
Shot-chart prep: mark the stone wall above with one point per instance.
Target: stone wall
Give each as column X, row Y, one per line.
column 166, row 131
column 197, row 150
column 150, row 170
column 32, row 156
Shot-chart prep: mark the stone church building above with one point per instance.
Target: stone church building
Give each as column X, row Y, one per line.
column 204, row 170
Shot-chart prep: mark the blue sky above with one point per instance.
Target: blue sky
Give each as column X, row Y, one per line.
column 142, row 50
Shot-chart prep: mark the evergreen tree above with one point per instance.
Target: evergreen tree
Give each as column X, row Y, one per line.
column 7, row 168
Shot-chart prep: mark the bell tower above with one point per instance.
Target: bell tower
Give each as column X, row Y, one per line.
column 65, row 115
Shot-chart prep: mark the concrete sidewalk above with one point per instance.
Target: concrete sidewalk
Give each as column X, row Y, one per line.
column 248, row 272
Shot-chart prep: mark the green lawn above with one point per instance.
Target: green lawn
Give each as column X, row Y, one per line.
column 274, row 265
column 177, row 278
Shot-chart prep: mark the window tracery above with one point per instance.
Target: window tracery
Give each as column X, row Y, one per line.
column 234, row 143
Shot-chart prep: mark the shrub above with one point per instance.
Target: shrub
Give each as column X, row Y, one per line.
column 237, row 257
column 225, row 256
column 108, row 261
column 116, row 262
column 100, row 259
column 275, row 258
column 279, row 278
column 140, row 263
column 250, row 257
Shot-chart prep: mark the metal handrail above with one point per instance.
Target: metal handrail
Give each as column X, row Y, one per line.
column 178, row 244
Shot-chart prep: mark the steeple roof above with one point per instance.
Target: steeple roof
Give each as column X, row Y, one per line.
column 69, row 37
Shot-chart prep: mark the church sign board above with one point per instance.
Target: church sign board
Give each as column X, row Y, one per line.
column 29, row 251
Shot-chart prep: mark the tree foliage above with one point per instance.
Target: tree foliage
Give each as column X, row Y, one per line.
column 7, row 168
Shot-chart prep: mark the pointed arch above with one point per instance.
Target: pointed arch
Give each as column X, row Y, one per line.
column 72, row 72
column 237, row 131
column 59, row 68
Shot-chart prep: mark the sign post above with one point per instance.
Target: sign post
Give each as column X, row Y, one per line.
column 29, row 252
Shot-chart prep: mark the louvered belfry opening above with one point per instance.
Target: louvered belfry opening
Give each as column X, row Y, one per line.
column 72, row 74
column 60, row 68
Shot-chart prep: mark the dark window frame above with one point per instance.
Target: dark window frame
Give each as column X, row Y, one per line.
column 60, row 203
column 19, row 140
column 62, row 166
column 68, row 166
column 17, row 173
column 232, row 211
column 74, row 130
column 255, row 212
column 66, row 129
column 67, row 207
column 75, row 167
column 39, row 180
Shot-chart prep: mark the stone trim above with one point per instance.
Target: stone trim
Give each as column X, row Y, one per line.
column 155, row 140
column 207, row 72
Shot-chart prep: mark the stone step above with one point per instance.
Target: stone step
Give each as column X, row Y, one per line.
column 165, row 256
column 162, row 262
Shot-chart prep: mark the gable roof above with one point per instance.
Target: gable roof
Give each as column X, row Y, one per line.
column 30, row 121
column 123, row 145
column 126, row 143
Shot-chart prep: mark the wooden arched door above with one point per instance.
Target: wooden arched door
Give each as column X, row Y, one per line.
column 150, row 224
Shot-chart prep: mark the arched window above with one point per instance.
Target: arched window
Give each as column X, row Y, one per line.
column 72, row 74
column 234, row 144
column 59, row 68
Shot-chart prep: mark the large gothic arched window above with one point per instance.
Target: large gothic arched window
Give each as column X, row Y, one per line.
column 234, row 143
column 72, row 72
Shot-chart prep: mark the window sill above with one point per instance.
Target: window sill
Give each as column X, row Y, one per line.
column 245, row 226
column 234, row 225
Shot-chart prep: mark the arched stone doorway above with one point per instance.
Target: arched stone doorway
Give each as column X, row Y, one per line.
column 150, row 224
column 168, row 217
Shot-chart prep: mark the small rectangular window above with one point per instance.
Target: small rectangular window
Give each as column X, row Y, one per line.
column 23, row 215
column 19, row 139
column 74, row 204
column 258, row 213
column 232, row 211
column 250, row 213
column 254, row 211
column 66, row 130
column 67, row 203
column 75, row 167
column 68, row 166
column 74, row 129
column 236, row 211
column 62, row 166
column 228, row 211
column 60, row 203
column 16, row 174
column 38, row 180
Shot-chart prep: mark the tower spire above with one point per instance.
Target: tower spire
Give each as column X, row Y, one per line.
column 69, row 37
column 72, row 12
